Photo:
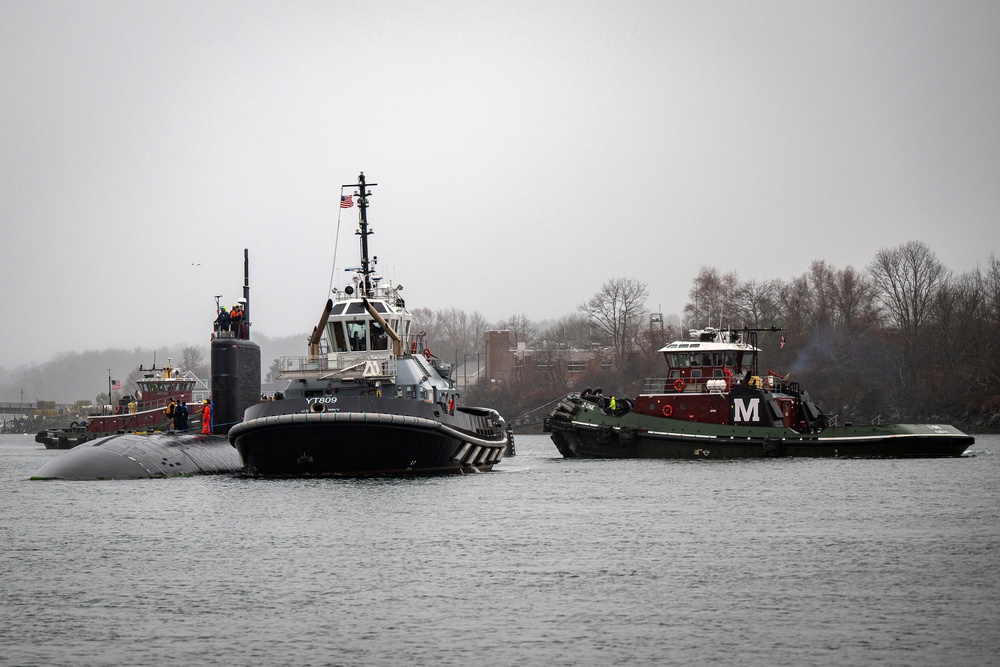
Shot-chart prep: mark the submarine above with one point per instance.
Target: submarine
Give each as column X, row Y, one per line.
column 235, row 362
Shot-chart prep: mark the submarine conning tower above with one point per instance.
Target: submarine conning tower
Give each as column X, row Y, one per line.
column 235, row 381
column 235, row 367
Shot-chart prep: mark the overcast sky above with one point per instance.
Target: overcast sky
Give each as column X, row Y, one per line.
column 525, row 152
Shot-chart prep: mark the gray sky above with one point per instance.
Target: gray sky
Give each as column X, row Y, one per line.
column 525, row 152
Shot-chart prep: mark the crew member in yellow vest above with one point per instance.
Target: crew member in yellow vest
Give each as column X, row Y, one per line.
column 171, row 411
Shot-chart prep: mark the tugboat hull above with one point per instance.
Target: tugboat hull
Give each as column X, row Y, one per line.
column 346, row 449
column 587, row 433
column 364, row 443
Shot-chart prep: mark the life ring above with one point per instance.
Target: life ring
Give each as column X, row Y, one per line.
column 427, row 353
column 668, row 410
column 678, row 385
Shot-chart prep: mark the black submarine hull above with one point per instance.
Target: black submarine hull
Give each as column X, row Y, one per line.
column 138, row 456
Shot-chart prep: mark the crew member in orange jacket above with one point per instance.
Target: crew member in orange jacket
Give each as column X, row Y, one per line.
column 206, row 417
column 235, row 320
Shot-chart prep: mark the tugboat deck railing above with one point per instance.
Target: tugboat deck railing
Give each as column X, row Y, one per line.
column 337, row 366
column 694, row 385
column 705, row 384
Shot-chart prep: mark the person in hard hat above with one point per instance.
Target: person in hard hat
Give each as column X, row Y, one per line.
column 235, row 319
column 206, row 417
column 222, row 320
column 171, row 412
column 181, row 417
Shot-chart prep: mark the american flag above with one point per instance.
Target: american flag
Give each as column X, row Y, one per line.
column 346, row 201
column 115, row 384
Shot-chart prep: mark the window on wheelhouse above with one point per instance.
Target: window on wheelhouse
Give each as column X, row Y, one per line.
column 745, row 360
column 339, row 341
column 357, row 335
column 380, row 339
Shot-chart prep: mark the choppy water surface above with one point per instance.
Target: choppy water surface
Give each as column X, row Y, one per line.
column 544, row 561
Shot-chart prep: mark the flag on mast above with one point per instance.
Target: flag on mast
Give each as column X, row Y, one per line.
column 346, row 201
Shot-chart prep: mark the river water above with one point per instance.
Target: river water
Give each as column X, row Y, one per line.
column 544, row 561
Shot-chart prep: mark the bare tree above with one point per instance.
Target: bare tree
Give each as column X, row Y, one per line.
column 193, row 359
column 796, row 304
column 853, row 297
column 425, row 321
column 618, row 311
column 131, row 382
column 991, row 277
column 957, row 339
column 461, row 332
column 821, row 293
column 573, row 330
column 756, row 304
column 521, row 328
column 907, row 278
column 712, row 298
column 989, row 375
column 478, row 326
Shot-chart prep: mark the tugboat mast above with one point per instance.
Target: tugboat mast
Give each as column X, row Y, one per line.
column 363, row 195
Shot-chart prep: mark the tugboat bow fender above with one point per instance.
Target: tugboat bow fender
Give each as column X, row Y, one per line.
column 404, row 421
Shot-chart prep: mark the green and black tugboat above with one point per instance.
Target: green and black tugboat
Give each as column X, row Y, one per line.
column 714, row 403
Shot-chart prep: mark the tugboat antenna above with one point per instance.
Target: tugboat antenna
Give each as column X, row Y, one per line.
column 363, row 195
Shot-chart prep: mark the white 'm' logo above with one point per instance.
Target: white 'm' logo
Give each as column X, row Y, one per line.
column 745, row 413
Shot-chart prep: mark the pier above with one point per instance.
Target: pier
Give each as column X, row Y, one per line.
column 18, row 408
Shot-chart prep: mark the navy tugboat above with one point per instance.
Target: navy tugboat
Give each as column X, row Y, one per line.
column 369, row 399
column 714, row 403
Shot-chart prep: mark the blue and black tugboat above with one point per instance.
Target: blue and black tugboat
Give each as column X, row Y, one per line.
column 369, row 398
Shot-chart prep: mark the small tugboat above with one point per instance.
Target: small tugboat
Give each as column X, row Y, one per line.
column 714, row 403
column 369, row 399
column 140, row 413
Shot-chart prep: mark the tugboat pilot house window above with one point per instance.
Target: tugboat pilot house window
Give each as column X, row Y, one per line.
column 356, row 334
column 340, row 342
column 380, row 339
